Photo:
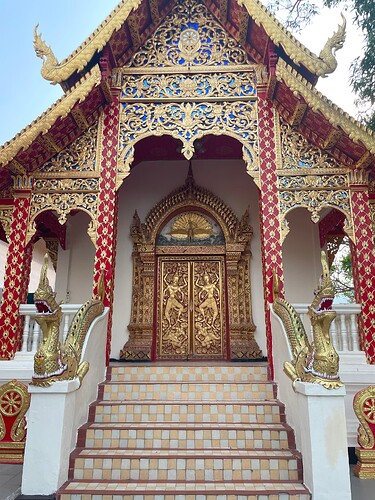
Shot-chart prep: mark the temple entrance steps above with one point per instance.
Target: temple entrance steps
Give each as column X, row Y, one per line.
column 186, row 431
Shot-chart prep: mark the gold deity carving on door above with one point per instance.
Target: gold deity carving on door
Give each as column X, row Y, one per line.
column 191, row 308
column 191, row 293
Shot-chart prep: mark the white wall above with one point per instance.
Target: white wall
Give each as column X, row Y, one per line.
column 301, row 257
column 147, row 184
column 75, row 265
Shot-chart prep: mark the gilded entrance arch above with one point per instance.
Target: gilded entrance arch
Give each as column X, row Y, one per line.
column 210, row 280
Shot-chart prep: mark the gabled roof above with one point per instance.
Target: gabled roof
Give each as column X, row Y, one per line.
column 132, row 20
column 293, row 73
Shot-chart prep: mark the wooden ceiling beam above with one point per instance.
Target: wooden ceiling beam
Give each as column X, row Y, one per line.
column 223, row 11
column 80, row 119
column 365, row 160
column 332, row 138
column 48, row 142
column 298, row 113
column 154, row 9
column 243, row 27
column 16, row 167
column 133, row 23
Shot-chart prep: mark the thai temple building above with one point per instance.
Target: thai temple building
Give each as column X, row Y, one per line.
column 183, row 189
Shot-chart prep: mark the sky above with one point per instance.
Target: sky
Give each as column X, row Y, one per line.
column 24, row 94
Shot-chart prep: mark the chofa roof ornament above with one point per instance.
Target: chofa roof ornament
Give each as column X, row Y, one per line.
column 333, row 44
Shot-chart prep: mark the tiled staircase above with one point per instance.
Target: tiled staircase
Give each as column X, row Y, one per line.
column 186, row 432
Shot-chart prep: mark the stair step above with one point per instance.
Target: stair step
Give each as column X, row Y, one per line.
column 170, row 490
column 188, row 436
column 187, row 391
column 187, row 465
column 160, row 431
column 188, row 412
column 244, row 372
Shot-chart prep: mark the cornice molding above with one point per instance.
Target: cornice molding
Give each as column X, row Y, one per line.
column 357, row 132
column 44, row 122
column 56, row 72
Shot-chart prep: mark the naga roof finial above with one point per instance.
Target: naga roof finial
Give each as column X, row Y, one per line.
column 333, row 44
column 45, row 53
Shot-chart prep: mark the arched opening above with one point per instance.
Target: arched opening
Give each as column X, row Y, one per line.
column 149, row 182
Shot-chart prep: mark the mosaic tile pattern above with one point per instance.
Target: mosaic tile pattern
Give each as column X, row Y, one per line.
column 188, row 391
column 236, row 412
column 188, row 432
column 154, row 373
column 191, row 436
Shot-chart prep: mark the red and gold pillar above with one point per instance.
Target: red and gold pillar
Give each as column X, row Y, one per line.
column 363, row 260
column 107, row 209
column 269, row 208
column 17, row 270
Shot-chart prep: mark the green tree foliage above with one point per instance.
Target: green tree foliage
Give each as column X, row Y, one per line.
column 341, row 272
column 295, row 14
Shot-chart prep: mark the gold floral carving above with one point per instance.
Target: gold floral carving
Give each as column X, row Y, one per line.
column 299, row 154
column 57, row 72
column 78, row 159
column 321, row 66
column 6, row 218
column 187, row 122
column 58, row 110
column 190, row 36
column 66, row 185
column 63, row 203
column 14, row 403
column 309, row 177
column 338, row 118
column 196, row 87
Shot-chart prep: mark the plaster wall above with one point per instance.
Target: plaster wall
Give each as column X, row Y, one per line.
column 147, row 184
column 75, row 265
column 301, row 257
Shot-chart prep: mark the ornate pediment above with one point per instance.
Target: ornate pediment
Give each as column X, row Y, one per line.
column 189, row 36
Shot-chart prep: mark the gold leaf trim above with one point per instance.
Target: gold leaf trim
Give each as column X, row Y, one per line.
column 60, row 72
column 318, row 102
column 297, row 52
column 44, row 122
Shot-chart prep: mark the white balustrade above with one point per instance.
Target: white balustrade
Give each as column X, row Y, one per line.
column 31, row 336
column 344, row 328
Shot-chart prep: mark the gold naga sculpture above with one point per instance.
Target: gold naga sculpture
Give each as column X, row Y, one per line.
column 316, row 361
column 55, row 361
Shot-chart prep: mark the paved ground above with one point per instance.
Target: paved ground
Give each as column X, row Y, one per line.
column 10, row 484
column 10, row 481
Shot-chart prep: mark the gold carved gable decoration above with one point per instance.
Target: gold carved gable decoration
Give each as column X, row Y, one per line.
column 189, row 36
column 77, row 160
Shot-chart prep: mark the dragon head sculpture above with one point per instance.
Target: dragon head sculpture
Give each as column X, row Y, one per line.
column 44, row 52
column 323, row 360
column 316, row 361
column 333, row 44
column 48, row 359
column 45, row 298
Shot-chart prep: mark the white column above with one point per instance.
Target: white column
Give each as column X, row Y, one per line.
column 48, row 444
column 323, row 441
column 25, row 335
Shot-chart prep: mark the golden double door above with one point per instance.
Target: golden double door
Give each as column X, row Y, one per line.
column 191, row 322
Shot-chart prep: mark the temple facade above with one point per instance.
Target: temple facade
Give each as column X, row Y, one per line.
column 190, row 161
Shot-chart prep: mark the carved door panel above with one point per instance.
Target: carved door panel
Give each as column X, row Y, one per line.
column 191, row 309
